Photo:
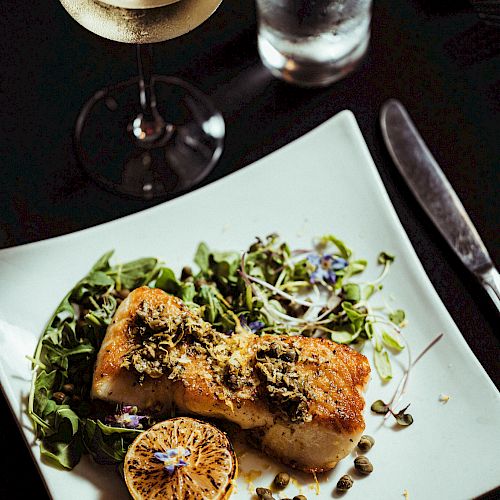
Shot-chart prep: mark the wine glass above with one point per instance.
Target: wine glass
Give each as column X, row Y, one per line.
column 150, row 136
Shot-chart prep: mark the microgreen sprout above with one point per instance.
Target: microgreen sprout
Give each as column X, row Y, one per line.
column 311, row 292
column 387, row 409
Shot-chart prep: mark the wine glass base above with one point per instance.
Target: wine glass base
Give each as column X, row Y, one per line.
column 182, row 157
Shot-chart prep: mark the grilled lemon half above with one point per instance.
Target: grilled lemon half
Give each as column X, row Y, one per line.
column 181, row 458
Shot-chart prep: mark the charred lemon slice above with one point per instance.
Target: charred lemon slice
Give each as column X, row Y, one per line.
column 180, row 459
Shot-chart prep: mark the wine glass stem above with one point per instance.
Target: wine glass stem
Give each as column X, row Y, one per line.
column 146, row 89
column 149, row 127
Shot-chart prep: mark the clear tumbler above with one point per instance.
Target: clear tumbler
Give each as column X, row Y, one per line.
column 312, row 42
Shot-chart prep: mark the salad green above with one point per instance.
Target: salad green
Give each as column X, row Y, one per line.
column 270, row 288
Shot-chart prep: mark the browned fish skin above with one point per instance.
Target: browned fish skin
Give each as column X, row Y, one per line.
column 335, row 375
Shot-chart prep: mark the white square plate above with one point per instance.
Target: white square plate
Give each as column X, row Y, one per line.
column 324, row 182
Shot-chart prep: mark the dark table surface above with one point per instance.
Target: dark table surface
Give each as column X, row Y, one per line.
column 438, row 58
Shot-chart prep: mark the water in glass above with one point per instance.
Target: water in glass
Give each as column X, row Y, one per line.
column 312, row 42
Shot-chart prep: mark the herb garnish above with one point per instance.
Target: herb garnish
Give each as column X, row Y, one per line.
column 64, row 358
column 402, row 418
column 268, row 289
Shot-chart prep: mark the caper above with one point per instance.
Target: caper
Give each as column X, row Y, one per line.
column 281, row 480
column 59, row 397
column 366, row 443
column 344, row 483
column 363, row 465
column 299, row 497
column 68, row 389
column 264, row 493
column 187, row 272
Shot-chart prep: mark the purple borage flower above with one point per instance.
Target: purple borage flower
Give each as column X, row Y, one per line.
column 253, row 326
column 325, row 267
column 173, row 458
column 127, row 419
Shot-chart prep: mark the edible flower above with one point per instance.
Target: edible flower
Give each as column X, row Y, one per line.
column 325, row 267
column 253, row 326
column 127, row 418
column 173, row 458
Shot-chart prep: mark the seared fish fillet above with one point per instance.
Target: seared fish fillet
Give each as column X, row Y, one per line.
column 300, row 397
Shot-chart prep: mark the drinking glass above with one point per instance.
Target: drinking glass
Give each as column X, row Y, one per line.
column 152, row 135
column 312, row 42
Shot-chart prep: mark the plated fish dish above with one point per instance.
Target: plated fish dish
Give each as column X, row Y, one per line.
column 267, row 340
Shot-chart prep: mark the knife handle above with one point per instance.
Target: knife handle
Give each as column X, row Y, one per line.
column 490, row 280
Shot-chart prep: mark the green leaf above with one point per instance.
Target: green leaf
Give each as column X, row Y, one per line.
column 58, row 356
column 201, row 257
column 368, row 291
column 64, row 414
column 44, row 387
column 343, row 337
column 98, row 279
column 392, row 341
column 207, row 296
column 403, row 418
column 63, row 316
column 369, row 329
column 352, row 292
column 385, row 258
column 64, row 446
column 103, row 263
column 66, row 454
column 341, row 246
column 134, row 274
column 355, row 267
column 224, row 264
column 356, row 318
column 167, row 281
column 109, row 430
column 379, row 407
column 187, row 292
column 397, row 317
column 382, row 364
column 106, row 448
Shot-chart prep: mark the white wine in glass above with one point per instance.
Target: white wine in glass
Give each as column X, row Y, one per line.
column 150, row 136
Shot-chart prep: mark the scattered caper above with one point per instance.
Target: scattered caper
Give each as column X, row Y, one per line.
column 264, row 493
column 363, row 465
column 187, row 272
column 366, row 443
column 59, row 397
column 299, row 497
column 345, row 483
column 68, row 389
column 281, row 480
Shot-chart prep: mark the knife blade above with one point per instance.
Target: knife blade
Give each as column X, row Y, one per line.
column 436, row 195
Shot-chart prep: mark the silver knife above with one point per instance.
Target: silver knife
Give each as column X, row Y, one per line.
column 435, row 194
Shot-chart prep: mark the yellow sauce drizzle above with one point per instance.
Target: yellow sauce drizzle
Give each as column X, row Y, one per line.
column 250, row 477
column 296, row 484
column 315, row 487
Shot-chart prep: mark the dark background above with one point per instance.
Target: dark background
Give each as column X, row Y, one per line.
column 438, row 58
